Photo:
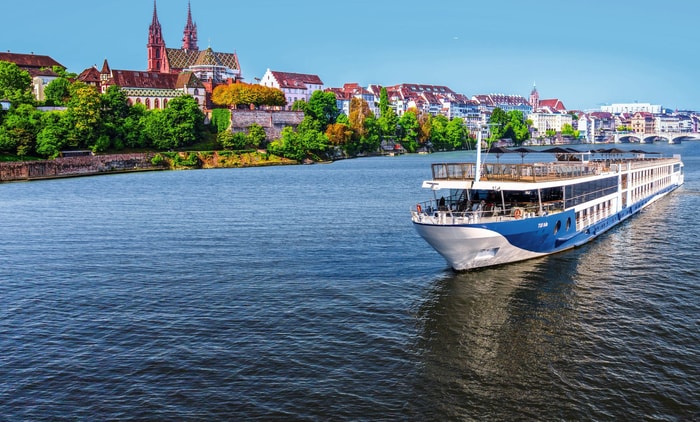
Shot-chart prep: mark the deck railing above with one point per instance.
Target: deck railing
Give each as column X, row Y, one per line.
column 533, row 172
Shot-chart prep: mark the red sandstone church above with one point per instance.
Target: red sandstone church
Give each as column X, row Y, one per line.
column 172, row 72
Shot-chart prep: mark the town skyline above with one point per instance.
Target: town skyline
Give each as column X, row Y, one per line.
column 595, row 72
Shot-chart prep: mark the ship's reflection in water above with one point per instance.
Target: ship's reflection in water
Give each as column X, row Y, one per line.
column 496, row 343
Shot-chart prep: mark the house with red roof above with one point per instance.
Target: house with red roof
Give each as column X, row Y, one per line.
column 489, row 102
column 295, row 86
column 344, row 95
column 152, row 89
column 39, row 67
column 433, row 99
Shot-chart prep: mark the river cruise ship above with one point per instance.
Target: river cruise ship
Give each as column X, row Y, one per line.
column 490, row 214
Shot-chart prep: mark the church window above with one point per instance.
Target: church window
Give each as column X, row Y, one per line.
column 148, row 103
column 156, row 103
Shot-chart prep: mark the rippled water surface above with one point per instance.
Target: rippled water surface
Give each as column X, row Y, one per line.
column 304, row 293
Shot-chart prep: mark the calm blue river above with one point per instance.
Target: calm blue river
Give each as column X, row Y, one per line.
column 303, row 293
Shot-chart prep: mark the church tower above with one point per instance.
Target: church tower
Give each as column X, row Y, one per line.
column 534, row 98
column 189, row 39
column 156, row 44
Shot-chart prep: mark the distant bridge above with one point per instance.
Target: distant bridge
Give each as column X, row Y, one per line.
column 648, row 138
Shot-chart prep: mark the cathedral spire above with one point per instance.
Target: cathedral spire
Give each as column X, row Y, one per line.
column 189, row 39
column 156, row 44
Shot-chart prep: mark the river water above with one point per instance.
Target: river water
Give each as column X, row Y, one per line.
column 303, row 293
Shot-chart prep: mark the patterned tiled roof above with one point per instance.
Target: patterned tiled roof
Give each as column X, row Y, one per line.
column 182, row 59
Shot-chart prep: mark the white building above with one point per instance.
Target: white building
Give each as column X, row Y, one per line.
column 40, row 68
column 668, row 124
column 543, row 122
column 632, row 108
column 295, row 86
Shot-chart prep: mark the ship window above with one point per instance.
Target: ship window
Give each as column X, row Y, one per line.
column 568, row 223
column 557, row 227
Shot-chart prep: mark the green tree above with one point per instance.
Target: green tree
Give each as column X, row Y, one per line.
column 114, row 112
column 57, row 92
column 52, row 137
column 388, row 120
column 15, row 84
column 323, row 108
column 180, row 124
column 256, row 135
column 19, row 130
column 456, row 133
column 497, row 123
column 409, row 128
column 568, row 130
column 438, row 133
column 232, row 141
column 508, row 125
column 221, row 119
column 307, row 142
column 84, row 115
column 157, row 130
column 134, row 131
column 383, row 102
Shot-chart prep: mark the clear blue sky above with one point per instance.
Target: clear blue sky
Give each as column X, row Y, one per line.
column 585, row 53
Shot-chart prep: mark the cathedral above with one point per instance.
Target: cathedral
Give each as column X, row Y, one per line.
column 172, row 72
column 211, row 67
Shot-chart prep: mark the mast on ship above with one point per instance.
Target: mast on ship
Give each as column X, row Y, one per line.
column 477, row 173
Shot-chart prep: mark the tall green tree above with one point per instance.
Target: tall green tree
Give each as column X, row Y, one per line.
column 383, row 101
column 84, row 114
column 306, row 142
column 457, row 133
column 57, row 92
column 410, row 129
column 256, row 135
column 19, row 130
column 180, row 124
column 438, row 133
column 388, row 120
column 508, row 125
column 15, row 84
column 323, row 108
column 51, row 139
column 115, row 111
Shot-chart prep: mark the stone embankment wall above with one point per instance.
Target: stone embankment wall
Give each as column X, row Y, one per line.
column 75, row 166
column 272, row 121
